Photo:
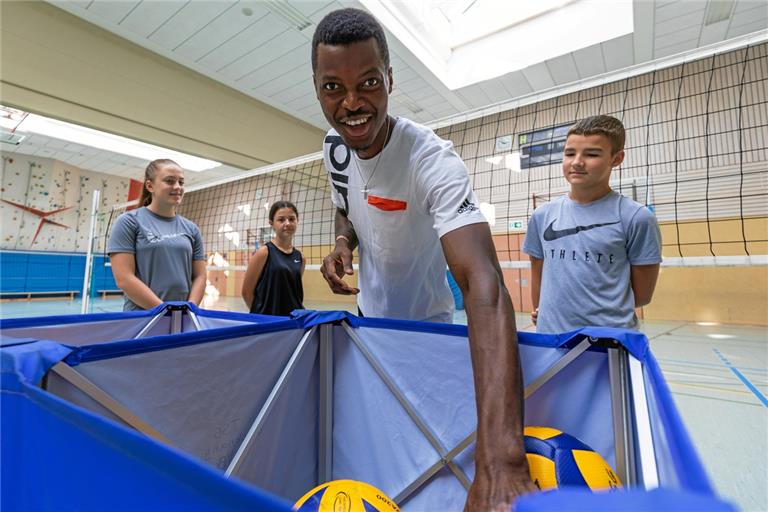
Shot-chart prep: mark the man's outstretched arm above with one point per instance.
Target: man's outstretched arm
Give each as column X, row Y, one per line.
column 339, row 262
column 501, row 469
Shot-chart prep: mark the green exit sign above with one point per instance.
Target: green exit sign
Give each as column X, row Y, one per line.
column 517, row 224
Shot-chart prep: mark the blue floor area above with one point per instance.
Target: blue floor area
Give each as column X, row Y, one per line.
column 718, row 375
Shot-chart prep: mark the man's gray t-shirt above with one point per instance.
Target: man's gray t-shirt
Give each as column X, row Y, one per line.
column 587, row 251
column 164, row 248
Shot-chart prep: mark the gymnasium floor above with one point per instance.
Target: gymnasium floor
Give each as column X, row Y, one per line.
column 718, row 375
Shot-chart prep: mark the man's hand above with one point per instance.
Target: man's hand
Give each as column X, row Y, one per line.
column 535, row 316
column 335, row 266
column 495, row 489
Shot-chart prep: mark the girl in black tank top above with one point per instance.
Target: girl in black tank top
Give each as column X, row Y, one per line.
column 272, row 284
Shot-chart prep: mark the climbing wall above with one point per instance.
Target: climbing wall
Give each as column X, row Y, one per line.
column 51, row 203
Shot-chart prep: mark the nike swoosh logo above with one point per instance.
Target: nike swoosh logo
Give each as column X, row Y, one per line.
column 553, row 234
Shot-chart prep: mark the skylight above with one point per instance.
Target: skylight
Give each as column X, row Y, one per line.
column 464, row 42
column 16, row 121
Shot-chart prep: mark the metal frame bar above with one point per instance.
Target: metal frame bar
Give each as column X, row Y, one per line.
column 151, row 324
column 644, row 436
column 176, row 321
column 194, row 319
column 556, row 368
column 530, row 389
column 258, row 423
column 94, row 392
column 623, row 434
column 325, row 413
column 409, row 409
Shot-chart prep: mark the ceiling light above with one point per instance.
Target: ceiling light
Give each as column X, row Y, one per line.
column 720, row 336
column 289, row 13
column 8, row 137
column 512, row 161
column 707, row 324
column 489, row 212
column 108, row 142
column 718, row 10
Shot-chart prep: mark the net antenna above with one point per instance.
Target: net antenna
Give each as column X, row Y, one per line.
column 102, row 222
column 105, row 221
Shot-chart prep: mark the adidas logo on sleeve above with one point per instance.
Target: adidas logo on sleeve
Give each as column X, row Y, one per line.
column 467, row 206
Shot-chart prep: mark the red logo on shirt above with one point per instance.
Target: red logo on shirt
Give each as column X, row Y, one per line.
column 388, row 205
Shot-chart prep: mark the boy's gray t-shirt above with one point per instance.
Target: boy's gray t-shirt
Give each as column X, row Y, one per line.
column 587, row 252
column 164, row 248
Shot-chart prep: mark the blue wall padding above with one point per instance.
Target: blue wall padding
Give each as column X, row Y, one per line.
column 51, row 272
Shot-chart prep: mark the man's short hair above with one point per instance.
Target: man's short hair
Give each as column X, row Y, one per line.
column 608, row 126
column 347, row 26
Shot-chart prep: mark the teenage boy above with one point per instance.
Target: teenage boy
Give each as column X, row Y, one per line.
column 594, row 253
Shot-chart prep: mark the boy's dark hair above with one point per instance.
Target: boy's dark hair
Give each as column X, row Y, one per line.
column 607, row 126
column 282, row 204
column 347, row 26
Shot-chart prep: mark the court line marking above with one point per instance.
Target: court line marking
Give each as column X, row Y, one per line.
column 701, row 363
column 741, row 377
column 720, row 399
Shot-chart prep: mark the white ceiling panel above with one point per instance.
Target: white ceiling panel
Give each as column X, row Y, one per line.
column 432, row 101
column 74, row 148
column 56, row 144
column 750, row 13
column 516, row 84
column 563, row 69
column 187, row 22
column 675, row 38
column 150, row 16
column 676, row 9
column 308, row 100
column 474, row 95
column 47, row 153
column 662, row 3
column 271, row 49
column 589, row 61
column 691, row 19
column 713, row 33
column 402, row 74
column 298, row 90
column 422, row 93
column 244, row 42
column 619, row 53
column 113, row 11
column 329, row 7
column 495, row 90
column 748, row 28
column 222, row 28
column 88, row 151
column 538, row 76
column 279, row 66
column 297, row 81
column 310, row 7
column 749, row 5
column 674, row 49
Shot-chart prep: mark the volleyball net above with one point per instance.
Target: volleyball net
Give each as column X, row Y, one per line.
column 696, row 155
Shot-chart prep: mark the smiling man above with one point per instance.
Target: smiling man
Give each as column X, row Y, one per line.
column 403, row 196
